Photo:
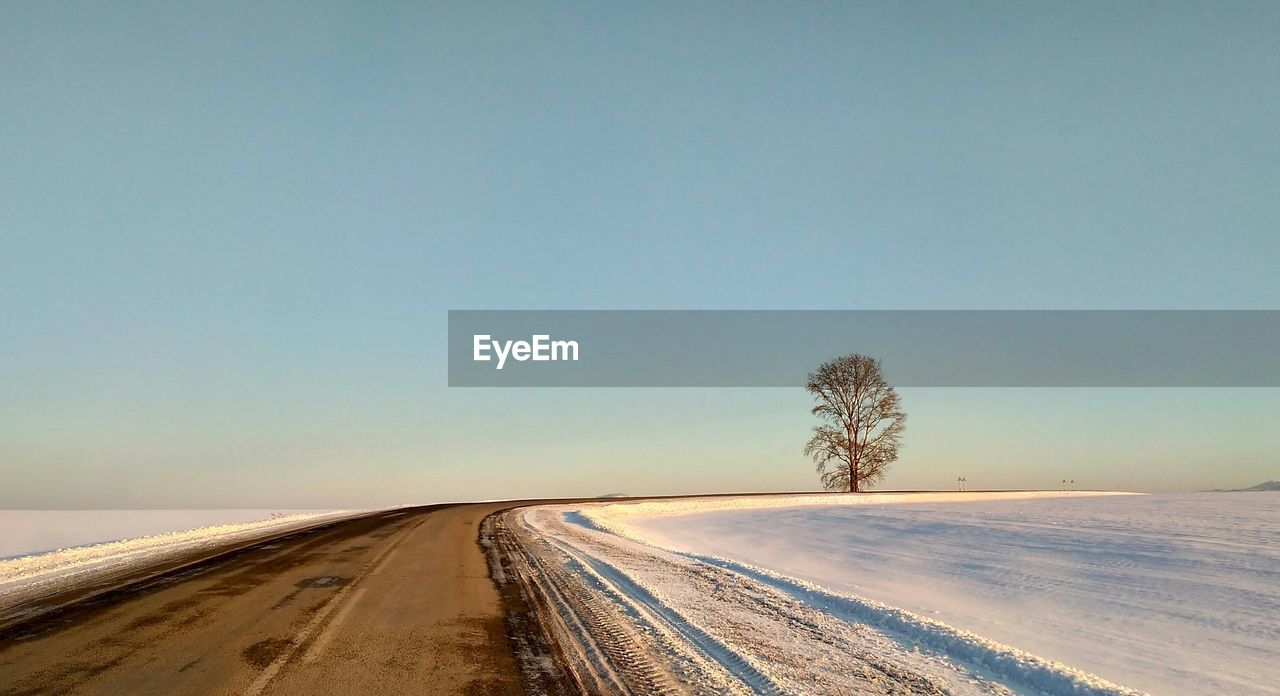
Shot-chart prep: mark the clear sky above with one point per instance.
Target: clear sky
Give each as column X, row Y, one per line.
column 230, row 233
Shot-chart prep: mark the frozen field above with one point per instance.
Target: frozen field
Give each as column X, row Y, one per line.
column 1176, row 594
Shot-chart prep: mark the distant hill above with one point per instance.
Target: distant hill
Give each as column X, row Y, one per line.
column 1267, row 486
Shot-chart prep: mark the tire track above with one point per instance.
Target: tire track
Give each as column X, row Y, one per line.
column 604, row 655
column 320, row 620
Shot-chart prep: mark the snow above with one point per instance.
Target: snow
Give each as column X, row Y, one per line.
column 730, row 627
column 1161, row 593
column 24, row 532
column 49, row 550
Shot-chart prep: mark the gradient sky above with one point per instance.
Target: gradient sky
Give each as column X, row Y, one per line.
column 230, row 232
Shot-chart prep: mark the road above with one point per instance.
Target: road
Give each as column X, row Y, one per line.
column 399, row 602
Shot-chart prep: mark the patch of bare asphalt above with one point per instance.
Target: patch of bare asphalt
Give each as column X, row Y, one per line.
column 56, row 681
column 478, row 638
column 322, row 582
column 264, row 652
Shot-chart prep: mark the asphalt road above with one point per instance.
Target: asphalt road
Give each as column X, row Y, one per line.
column 395, row 603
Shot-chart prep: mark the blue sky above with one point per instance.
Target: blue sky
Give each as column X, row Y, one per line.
column 229, row 235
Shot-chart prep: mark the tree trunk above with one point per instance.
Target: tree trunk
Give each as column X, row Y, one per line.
column 853, row 461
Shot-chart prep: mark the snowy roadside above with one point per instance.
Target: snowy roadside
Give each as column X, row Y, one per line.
column 31, row 532
column 728, row 627
column 25, row 578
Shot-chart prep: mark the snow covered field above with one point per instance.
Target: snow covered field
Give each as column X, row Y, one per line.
column 47, row 550
column 1033, row 593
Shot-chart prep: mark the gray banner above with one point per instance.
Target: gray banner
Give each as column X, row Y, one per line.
column 942, row 348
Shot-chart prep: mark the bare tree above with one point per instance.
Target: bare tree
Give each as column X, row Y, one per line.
column 863, row 422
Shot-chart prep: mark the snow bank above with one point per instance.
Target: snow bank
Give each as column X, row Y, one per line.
column 26, row 532
column 615, row 516
column 1013, row 667
column 28, row 576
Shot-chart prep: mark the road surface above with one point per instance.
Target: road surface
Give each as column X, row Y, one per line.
column 400, row 602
